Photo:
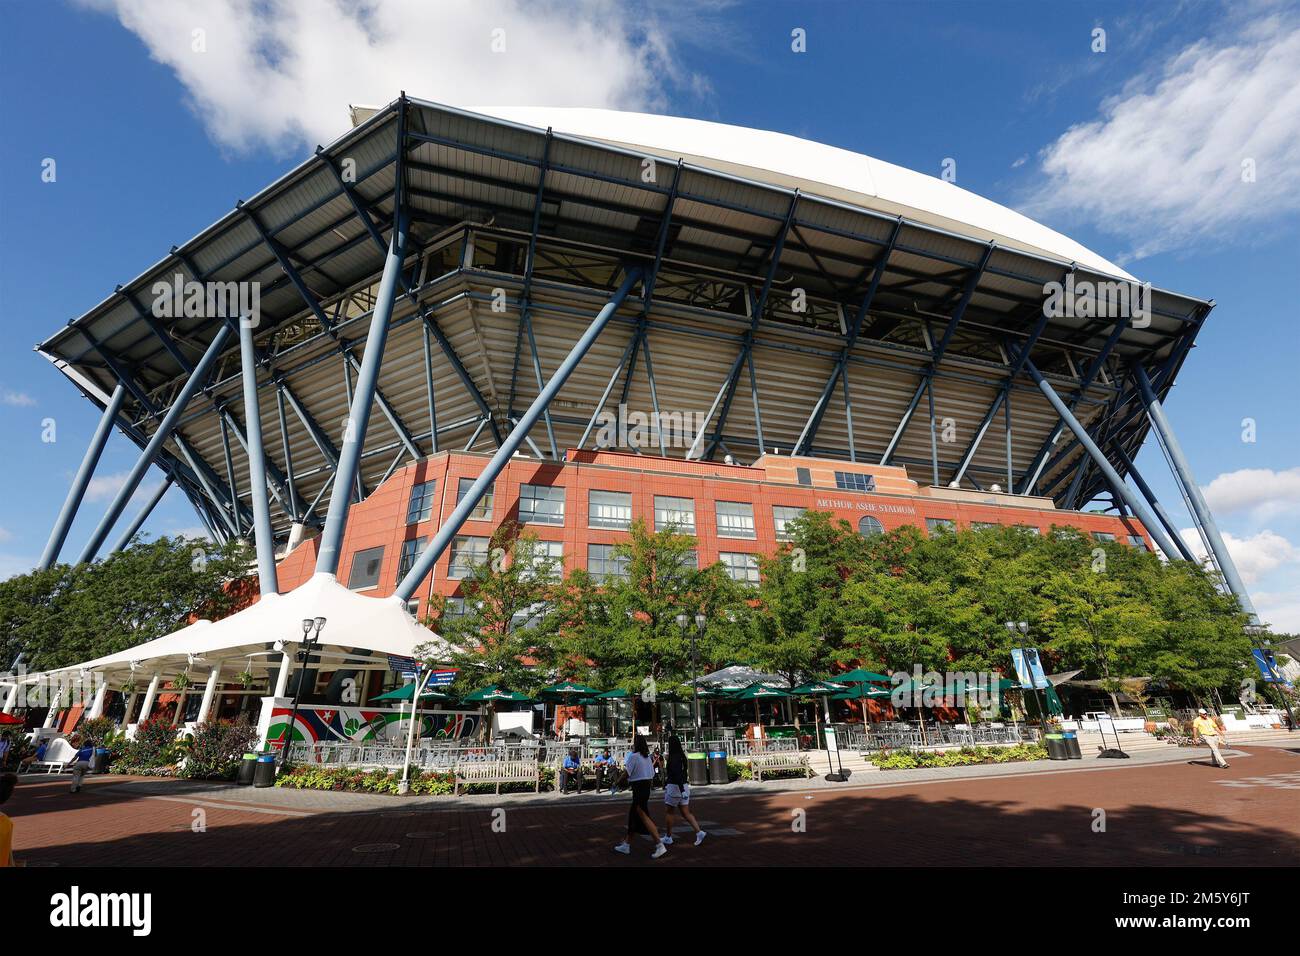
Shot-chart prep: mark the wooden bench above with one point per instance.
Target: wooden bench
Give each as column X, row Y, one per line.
column 768, row 762
column 498, row 772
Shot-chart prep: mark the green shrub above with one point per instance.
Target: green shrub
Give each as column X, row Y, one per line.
column 215, row 749
column 351, row 780
column 154, row 749
column 967, row 756
column 98, row 732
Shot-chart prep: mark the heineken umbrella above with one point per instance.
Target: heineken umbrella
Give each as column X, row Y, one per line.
column 406, row 690
column 568, row 688
column 491, row 694
column 823, row 689
column 863, row 693
column 757, row 692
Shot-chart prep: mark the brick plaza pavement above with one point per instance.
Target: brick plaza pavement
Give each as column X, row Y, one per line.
column 1170, row 812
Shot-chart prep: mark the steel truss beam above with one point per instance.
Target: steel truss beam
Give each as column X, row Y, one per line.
column 449, row 529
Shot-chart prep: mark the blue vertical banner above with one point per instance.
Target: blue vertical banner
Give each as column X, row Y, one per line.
column 1029, row 669
column 1268, row 668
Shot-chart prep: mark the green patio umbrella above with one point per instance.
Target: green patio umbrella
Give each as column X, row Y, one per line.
column 757, row 692
column 823, row 689
column 862, row 692
column 406, row 690
column 568, row 688
column 491, row 694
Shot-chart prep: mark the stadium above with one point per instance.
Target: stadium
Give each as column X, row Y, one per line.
column 469, row 299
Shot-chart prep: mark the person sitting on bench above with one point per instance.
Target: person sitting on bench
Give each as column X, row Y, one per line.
column 571, row 773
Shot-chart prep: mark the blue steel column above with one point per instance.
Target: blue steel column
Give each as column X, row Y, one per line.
column 1200, row 510
column 327, row 562
column 512, row 441
column 1117, row 484
column 151, row 450
column 262, row 539
column 140, row 518
column 59, row 533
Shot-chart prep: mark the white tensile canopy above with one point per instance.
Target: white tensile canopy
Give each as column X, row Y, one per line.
column 354, row 624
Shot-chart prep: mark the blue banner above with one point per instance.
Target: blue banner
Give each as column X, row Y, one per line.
column 1029, row 669
column 1267, row 665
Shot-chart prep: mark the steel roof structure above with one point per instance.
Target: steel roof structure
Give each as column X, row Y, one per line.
column 798, row 320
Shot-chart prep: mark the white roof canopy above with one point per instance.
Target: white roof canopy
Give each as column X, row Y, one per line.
column 381, row 626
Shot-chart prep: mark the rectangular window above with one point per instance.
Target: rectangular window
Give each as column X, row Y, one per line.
column 604, row 562
column 609, row 509
column 410, row 551
column 852, row 481
column 983, row 525
column 803, row 476
column 467, row 552
column 420, row 507
column 1137, row 541
column 413, row 608
column 541, row 504
column 453, row 609
column 1029, row 529
column 483, row 510
column 365, row 569
column 1103, row 536
column 740, row 567
column 937, row 525
column 675, row 514
column 546, row 556
column 735, row 519
column 781, row 518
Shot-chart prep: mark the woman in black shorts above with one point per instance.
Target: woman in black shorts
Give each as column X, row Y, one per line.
column 640, row 773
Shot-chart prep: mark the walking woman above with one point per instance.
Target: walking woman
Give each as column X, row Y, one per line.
column 677, row 795
column 640, row 772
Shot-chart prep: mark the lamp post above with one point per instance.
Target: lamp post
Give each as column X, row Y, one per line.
column 683, row 623
column 311, row 628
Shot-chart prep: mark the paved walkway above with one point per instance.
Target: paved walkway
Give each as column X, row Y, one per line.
column 1175, row 810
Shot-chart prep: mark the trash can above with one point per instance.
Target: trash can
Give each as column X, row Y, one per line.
column 99, row 762
column 244, row 776
column 264, row 773
column 1055, row 744
column 1071, row 741
column 718, row 767
column 697, row 769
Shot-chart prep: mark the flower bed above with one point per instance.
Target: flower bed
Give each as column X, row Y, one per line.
column 965, row 757
column 352, row 780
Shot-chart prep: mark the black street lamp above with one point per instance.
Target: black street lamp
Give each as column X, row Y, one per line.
column 311, row 628
column 683, row 622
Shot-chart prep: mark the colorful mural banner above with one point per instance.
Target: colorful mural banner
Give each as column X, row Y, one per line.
column 320, row 722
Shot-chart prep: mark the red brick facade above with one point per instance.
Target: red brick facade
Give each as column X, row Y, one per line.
column 380, row 520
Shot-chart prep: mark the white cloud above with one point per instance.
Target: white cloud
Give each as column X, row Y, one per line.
column 1256, row 556
column 6, row 534
column 1261, row 491
column 104, row 487
column 281, row 73
column 1281, row 610
column 1164, row 158
column 17, row 399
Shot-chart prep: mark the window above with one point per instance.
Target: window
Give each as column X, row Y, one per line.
column 604, row 562
column 483, row 510
column 541, row 504
column 420, row 506
column 690, row 561
column 740, row 567
column 365, row 569
column 410, row 551
column 413, row 608
column 609, row 509
column 1103, row 536
column 803, row 476
column 781, row 518
column 1029, row 529
column 735, row 519
column 983, row 525
column 545, row 556
column 675, row 514
column 937, row 525
column 869, row 527
column 852, row 481
column 1137, row 541
column 467, row 552
column 453, row 609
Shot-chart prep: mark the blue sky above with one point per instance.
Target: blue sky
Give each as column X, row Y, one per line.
column 1134, row 151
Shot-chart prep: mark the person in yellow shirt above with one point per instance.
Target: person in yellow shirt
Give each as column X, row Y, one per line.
column 1205, row 728
column 7, row 783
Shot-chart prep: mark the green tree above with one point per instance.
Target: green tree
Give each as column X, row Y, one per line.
column 73, row 613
